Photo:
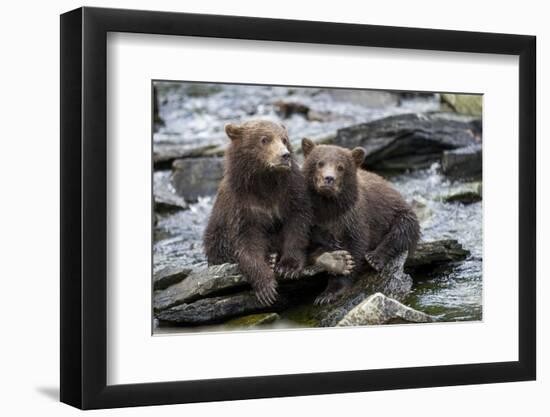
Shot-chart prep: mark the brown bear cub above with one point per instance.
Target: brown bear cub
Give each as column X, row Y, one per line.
column 359, row 219
column 262, row 208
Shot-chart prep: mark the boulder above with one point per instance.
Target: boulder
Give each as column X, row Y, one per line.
column 408, row 141
column 167, row 201
column 169, row 275
column 196, row 177
column 217, row 309
column 209, row 282
column 165, row 154
column 380, row 309
column 164, row 196
column 203, row 283
column 463, row 163
column 465, row 194
column 431, row 254
column 471, row 104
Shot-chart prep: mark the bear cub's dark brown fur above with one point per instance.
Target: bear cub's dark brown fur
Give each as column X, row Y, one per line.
column 261, row 208
column 354, row 211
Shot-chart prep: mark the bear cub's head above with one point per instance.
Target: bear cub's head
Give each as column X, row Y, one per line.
column 329, row 169
column 261, row 142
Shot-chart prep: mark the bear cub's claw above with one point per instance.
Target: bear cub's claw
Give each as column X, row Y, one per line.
column 272, row 261
column 266, row 292
column 374, row 261
column 289, row 268
column 326, row 297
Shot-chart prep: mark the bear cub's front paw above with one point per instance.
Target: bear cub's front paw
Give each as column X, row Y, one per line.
column 289, row 267
column 266, row 291
column 374, row 261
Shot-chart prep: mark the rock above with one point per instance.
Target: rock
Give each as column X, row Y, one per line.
column 430, row 254
column 253, row 320
column 408, row 141
column 164, row 196
column 464, row 103
column 169, row 275
column 380, row 309
column 208, row 282
column 165, row 154
column 392, row 280
column 465, row 194
column 196, row 177
column 226, row 278
column 217, row 309
column 166, row 201
column 199, row 284
column 463, row 163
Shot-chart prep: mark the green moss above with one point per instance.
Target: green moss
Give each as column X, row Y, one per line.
column 464, row 103
column 253, row 320
column 305, row 315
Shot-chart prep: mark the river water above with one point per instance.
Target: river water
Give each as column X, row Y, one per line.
column 197, row 116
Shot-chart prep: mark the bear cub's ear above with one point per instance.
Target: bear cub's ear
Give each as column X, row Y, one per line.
column 233, row 131
column 358, row 154
column 307, row 146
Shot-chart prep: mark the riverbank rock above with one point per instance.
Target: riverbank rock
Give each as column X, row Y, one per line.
column 379, row 309
column 164, row 195
column 203, row 283
column 167, row 201
column 219, row 293
column 253, row 320
column 466, row 194
column 196, row 177
column 431, row 254
column 217, row 309
column 464, row 163
column 169, row 276
column 408, row 141
column 165, row 154
column 471, row 104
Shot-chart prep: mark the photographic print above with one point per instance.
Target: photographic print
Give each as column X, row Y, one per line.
column 284, row 207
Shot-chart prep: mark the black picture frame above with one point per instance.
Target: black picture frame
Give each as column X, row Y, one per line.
column 84, row 207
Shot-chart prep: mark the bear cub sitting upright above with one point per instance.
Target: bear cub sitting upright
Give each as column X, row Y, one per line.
column 261, row 208
column 359, row 219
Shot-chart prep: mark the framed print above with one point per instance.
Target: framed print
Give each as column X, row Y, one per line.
column 257, row 208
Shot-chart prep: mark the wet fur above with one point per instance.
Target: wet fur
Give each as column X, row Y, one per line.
column 259, row 211
column 366, row 217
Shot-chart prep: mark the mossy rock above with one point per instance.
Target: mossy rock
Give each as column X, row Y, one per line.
column 466, row 194
column 464, row 103
column 253, row 320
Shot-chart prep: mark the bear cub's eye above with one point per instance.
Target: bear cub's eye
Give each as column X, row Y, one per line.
column 340, row 167
column 264, row 140
column 320, row 164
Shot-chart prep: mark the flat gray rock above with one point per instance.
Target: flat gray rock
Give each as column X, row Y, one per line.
column 216, row 309
column 169, row 275
column 200, row 284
